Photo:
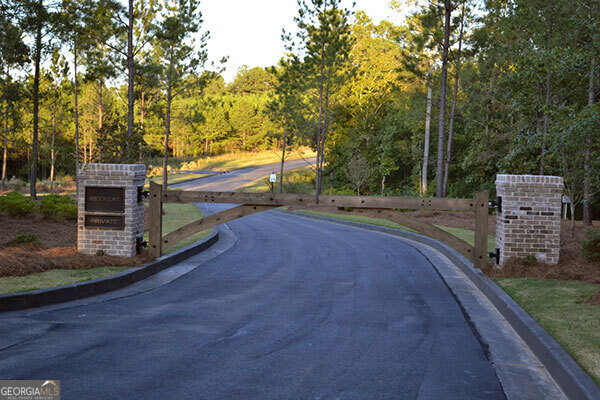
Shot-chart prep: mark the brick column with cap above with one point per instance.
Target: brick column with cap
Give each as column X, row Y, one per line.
column 110, row 212
column 529, row 220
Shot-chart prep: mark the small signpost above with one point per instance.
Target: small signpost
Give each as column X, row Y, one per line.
column 272, row 177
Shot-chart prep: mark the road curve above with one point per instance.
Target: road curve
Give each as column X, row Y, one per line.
column 240, row 177
column 296, row 309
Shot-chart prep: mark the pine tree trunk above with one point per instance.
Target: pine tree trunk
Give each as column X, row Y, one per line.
column 320, row 129
column 587, row 198
column 142, row 115
column 36, row 111
column 167, row 128
column 547, row 100
column 130, row 93
column 76, row 94
column 5, row 144
column 100, row 119
column 324, row 137
column 427, row 134
column 572, row 218
column 85, row 160
column 488, row 109
column 283, row 145
column 52, row 157
column 439, row 177
column 453, row 108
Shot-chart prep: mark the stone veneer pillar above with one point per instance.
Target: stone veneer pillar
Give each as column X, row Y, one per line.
column 529, row 221
column 105, row 227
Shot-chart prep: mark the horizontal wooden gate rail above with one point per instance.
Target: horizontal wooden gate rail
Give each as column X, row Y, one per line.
column 371, row 206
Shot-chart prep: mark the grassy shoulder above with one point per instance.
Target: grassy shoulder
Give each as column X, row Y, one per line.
column 177, row 178
column 464, row 234
column 54, row 277
column 560, row 308
column 177, row 215
column 299, row 180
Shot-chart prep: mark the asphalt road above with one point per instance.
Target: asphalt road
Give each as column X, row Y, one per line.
column 240, row 177
column 295, row 309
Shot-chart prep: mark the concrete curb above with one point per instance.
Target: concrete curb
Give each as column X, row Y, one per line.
column 571, row 378
column 75, row 291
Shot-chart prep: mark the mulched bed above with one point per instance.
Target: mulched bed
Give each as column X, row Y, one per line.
column 571, row 266
column 453, row 219
column 58, row 250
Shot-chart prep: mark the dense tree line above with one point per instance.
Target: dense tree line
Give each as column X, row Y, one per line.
column 509, row 85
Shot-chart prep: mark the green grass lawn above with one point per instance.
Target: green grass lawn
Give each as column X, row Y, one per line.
column 464, row 234
column 559, row 307
column 175, row 178
column 177, row 215
column 55, row 277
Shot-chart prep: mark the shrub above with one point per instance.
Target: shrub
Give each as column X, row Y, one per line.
column 16, row 204
column 25, row 239
column 58, row 207
column 339, row 192
column 14, row 183
column 153, row 171
column 590, row 245
column 530, row 260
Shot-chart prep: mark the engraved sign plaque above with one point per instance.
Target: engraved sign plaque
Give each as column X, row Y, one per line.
column 104, row 221
column 105, row 199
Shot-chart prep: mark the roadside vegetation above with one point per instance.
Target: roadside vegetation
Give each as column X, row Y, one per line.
column 177, row 215
column 175, row 178
column 38, row 252
column 54, row 277
column 299, row 180
column 564, row 309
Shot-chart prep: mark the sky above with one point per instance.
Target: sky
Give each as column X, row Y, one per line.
column 249, row 31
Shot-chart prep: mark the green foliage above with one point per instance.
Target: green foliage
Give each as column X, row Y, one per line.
column 339, row 192
column 17, row 205
column 374, row 79
column 530, row 260
column 24, row 239
column 590, row 245
column 57, row 207
column 15, row 184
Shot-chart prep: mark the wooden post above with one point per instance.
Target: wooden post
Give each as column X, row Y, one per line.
column 481, row 229
column 155, row 229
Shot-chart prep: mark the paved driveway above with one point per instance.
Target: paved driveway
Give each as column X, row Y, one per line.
column 292, row 309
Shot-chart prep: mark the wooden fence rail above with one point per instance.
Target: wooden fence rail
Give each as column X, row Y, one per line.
column 372, row 206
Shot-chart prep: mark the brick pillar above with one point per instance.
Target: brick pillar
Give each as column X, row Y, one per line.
column 529, row 222
column 110, row 217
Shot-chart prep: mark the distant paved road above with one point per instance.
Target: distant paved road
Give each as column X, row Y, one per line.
column 240, row 177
